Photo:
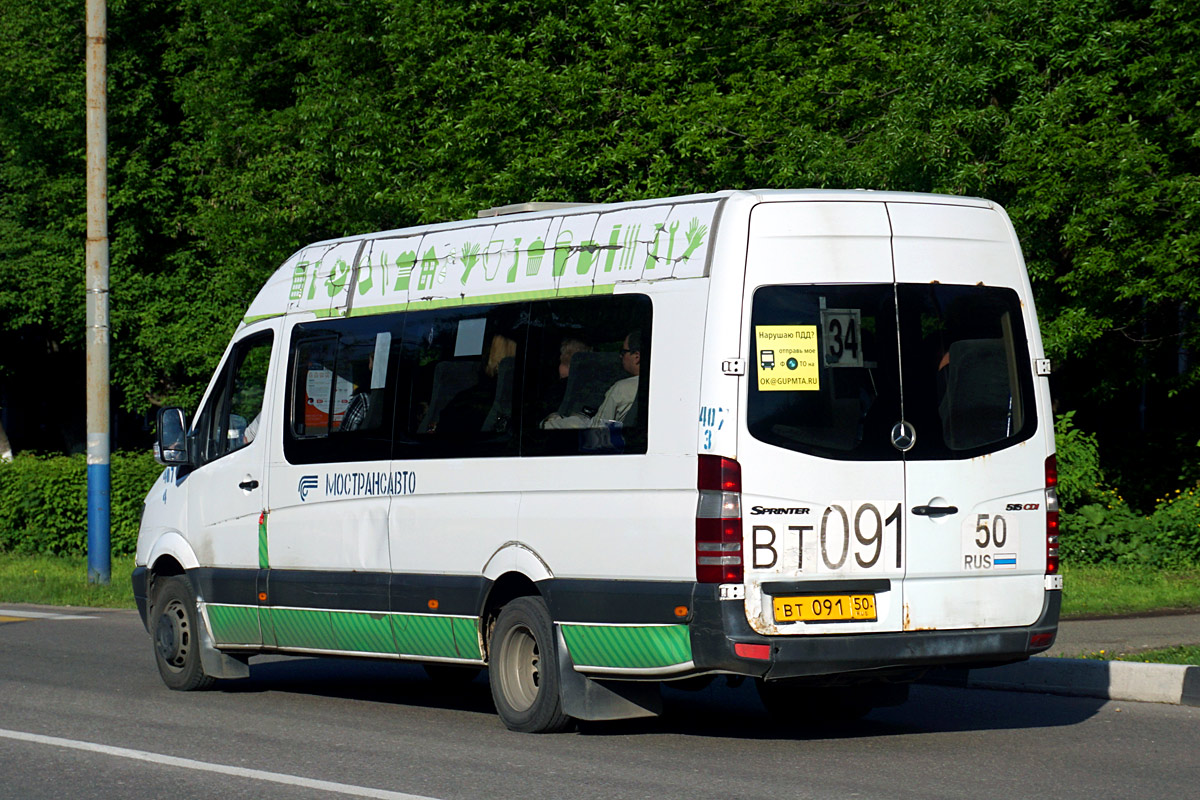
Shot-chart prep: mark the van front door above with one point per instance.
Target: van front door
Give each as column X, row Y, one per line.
column 225, row 493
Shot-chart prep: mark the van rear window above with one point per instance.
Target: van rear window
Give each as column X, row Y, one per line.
column 836, row 367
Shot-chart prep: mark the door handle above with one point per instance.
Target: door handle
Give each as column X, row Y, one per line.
column 250, row 484
column 934, row 511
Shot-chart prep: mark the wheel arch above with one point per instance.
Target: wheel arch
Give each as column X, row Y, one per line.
column 170, row 552
column 513, row 570
column 504, row 589
column 170, row 555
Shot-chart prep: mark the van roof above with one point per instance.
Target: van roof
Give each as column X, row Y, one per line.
column 540, row 210
column 548, row 250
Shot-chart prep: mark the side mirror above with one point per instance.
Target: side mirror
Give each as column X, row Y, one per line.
column 171, row 446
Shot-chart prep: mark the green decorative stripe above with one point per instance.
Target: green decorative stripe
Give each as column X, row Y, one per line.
column 628, row 646
column 441, row 302
column 419, row 635
column 511, row 297
column 387, row 308
column 582, row 291
column 363, row 633
column 476, row 300
column 260, row 318
column 267, row 623
column 234, row 624
column 295, row 627
column 466, row 638
column 262, row 541
column 347, row 631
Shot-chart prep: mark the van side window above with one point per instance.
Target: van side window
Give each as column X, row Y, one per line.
column 231, row 418
column 588, row 376
column 311, row 390
column 461, row 367
column 341, row 385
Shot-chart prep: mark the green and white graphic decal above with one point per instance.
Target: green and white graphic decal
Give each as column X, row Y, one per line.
column 599, row 648
column 628, row 647
column 376, row 633
column 491, row 261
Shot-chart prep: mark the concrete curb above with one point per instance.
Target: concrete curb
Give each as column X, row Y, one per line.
column 1109, row 680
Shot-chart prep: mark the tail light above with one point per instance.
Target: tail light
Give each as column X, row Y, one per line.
column 1052, row 515
column 719, row 521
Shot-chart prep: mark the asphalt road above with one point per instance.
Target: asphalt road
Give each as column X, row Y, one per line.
column 84, row 714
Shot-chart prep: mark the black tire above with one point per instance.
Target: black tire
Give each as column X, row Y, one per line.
column 451, row 674
column 807, row 704
column 523, row 669
column 175, row 626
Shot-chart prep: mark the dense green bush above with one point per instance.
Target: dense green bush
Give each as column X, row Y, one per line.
column 1098, row 526
column 1080, row 478
column 1176, row 527
column 43, row 502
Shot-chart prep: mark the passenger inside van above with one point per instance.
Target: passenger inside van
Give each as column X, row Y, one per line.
column 619, row 400
column 555, row 395
column 501, row 363
column 470, row 399
column 360, row 402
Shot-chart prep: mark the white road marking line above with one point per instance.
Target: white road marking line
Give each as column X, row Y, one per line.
column 204, row 766
column 12, row 612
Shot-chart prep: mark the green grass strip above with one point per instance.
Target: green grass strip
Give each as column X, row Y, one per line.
column 1182, row 654
column 62, row 581
column 1110, row 590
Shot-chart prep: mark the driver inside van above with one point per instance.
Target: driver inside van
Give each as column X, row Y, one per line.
column 619, row 398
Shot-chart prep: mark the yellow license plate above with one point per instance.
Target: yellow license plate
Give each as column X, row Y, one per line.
column 826, row 608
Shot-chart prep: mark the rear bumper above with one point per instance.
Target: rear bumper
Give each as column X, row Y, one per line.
column 720, row 625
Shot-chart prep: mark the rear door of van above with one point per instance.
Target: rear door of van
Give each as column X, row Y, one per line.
column 823, row 488
column 975, row 475
column 891, row 477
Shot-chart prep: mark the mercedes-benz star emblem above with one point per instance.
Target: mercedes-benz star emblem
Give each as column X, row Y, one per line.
column 904, row 436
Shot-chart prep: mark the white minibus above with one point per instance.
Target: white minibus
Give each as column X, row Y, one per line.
column 803, row 437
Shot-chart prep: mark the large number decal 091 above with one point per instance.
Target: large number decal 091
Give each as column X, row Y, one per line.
column 854, row 538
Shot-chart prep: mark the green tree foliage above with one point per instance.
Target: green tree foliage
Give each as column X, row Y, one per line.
column 43, row 503
column 42, row 219
column 241, row 130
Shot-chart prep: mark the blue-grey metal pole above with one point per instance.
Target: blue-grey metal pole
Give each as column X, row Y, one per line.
column 99, row 550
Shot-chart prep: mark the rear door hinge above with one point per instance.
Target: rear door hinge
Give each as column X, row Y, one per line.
column 734, row 366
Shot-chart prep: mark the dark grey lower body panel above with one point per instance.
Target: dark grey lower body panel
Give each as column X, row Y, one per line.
column 720, row 625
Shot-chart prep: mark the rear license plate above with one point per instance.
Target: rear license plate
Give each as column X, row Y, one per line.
column 826, row 608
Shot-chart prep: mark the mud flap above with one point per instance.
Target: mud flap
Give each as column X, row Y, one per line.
column 216, row 663
column 590, row 699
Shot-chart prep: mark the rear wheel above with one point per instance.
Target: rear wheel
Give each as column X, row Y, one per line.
column 177, row 634
column 524, row 669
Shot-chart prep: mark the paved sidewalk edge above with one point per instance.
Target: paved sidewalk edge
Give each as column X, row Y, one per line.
column 1108, row 680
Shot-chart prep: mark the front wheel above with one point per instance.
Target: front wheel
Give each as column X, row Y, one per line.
column 177, row 634
column 524, row 669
